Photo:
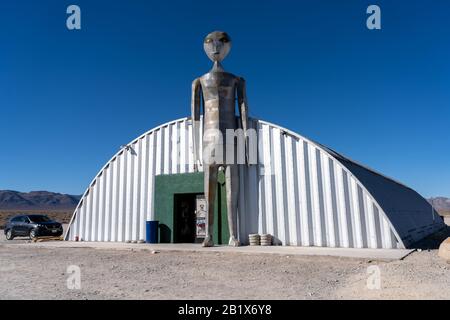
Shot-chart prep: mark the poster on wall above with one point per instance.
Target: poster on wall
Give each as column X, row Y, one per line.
column 200, row 212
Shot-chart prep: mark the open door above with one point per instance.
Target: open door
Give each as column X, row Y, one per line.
column 185, row 217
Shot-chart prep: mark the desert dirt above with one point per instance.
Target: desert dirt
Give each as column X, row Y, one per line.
column 28, row 272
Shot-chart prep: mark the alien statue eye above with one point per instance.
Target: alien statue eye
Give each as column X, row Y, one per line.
column 208, row 40
column 224, row 40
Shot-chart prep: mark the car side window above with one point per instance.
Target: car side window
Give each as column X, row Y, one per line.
column 16, row 219
column 24, row 220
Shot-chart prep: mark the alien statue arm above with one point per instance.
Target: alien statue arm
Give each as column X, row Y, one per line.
column 195, row 111
column 243, row 113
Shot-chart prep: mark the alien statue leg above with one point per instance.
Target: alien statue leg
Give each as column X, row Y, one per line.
column 210, row 182
column 232, row 186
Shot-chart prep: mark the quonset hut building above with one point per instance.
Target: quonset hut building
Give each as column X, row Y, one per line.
column 301, row 192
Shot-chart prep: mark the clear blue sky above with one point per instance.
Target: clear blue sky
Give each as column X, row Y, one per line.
column 69, row 99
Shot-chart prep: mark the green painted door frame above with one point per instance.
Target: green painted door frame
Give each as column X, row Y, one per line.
column 166, row 186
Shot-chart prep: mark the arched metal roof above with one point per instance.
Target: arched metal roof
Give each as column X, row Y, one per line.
column 300, row 191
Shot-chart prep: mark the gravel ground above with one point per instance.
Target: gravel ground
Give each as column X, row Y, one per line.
column 40, row 273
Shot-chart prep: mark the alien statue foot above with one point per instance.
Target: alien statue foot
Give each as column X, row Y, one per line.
column 234, row 242
column 208, row 242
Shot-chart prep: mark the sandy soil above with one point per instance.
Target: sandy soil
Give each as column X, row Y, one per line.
column 39, row 273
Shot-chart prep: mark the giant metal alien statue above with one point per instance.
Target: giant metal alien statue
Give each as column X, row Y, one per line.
column 218, row 90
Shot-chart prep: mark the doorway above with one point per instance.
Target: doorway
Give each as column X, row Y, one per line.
column 184, row 210
column 168, row 192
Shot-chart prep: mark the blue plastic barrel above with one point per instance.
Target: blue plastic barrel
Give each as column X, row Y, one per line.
column 152, row 232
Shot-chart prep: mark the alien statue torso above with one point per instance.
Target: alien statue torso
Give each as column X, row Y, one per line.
column 219, row 96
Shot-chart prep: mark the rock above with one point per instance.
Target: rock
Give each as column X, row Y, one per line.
column 444, row 249
column 154, row 251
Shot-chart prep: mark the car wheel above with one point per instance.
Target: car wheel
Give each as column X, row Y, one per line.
column 9, row 235
column 32, row 234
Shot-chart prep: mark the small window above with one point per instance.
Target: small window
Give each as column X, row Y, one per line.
column 38, row 218
column 25, row 219
column 16, row 219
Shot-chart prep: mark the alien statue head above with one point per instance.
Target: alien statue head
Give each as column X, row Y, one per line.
column 217, row 44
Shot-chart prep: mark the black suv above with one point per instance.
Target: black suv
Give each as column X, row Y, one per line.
column 32, row 225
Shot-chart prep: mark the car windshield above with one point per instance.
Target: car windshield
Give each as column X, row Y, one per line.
column 39, row 218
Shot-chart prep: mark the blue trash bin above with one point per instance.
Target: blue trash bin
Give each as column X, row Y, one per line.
column 152, row 232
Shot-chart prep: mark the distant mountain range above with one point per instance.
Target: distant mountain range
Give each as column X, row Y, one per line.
column 441, row 204
column 36, row 200
column 44, row 200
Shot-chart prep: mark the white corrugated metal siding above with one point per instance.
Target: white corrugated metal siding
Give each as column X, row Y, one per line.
column 298, row 192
